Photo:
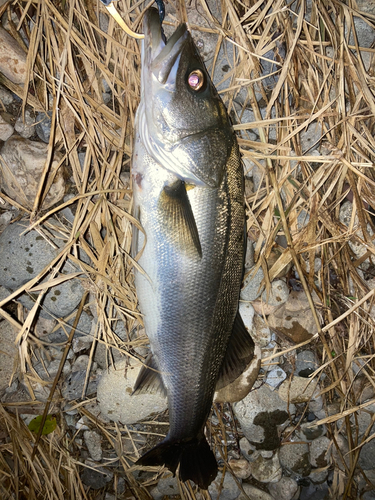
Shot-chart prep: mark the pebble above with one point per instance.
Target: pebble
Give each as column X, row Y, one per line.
column 115, row 399
column 267, row 470
column 229, row 489
column 25, row 128
column 43, row 126
column 74, row 386
column 248, row 450
column 320, row 452
column 6, row 129
column 253, row 493
column 22, row 258
column 294, row 457
column 12, row 58
column 275, row 377
column 294, row 318
column 6, row 97
column 285, row 489
column 318, row 476
column 308, row 431
column 278, row 294
column 240, row 468
column 168, row 486
column 252, row 285
column 83, row 328
column 299, row 390
column 95, row 477
column 260, row 332
column 8, row 351
column 5, row 218
column 93, row 442
column 247, row 312
column 26, row 160
column 306, row 363
column 260, row 415
column 311, row 136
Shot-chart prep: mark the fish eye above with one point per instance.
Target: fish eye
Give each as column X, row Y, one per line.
column 196, row 79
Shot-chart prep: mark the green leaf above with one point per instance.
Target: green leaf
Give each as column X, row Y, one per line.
column 49, row 425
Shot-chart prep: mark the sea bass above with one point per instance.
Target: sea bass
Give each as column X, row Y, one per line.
column 188, row 196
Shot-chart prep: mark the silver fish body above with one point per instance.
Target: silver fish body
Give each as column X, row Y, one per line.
column 188, row 196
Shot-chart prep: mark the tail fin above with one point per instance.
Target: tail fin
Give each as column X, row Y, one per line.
column 197, row 461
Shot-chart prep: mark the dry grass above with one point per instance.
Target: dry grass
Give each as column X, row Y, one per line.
column 323, row 79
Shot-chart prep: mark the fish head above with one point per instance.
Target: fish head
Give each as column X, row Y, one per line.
column 182, row 121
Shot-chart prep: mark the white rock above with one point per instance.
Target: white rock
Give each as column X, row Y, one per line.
column 12, row 58
column 23, row 164
column 278, row 295
column 6, row 97
column 299, row 390
column 320, row 452
column 267, row 470
column 115, row 399
column 6, row 129
column 229, row 489
column 260, row 332
column 285, row 489
column 93, row 442
column 8, row 352
column 25, row 128
column 247, row 312
column 240, row 468
column 252, row 286
column 254, row 493
column 275, row 377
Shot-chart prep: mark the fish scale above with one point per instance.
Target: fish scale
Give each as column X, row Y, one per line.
column 188, row 196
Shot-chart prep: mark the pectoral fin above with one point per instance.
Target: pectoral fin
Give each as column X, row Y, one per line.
column 149, row 379
column 178, row 218
column 240, row 352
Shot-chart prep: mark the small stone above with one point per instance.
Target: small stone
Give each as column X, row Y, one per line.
column 306, row 363
column 248, row 450
column 240, row 468
column 253, row 493
column 278, row 295
column 83, row 328
column 320, row 452
column 229, row 489
column 295, row 458
column 5, row 218
column 294, row 318
column 246, row 311
column 311, row 136
column 25, row 128
column 168, row 486
column 285, row 489
column 260, row 332
column 76, row 386
column 343, row 446
column 23, row 257
column 318, row 476
column 115, row 399
column 12, row 58
column 43, row 126
column 252, row 287
column 24, row 161
column 260, row 415
column 8, row 352
column 6, row 97
column 309, row 432
column 6, row 129
column 275, row 377
column 267, row 470
column 94, row 476
column 299, row 390
column 93, row 442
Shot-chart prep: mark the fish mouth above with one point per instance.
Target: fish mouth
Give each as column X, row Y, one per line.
column 160, row 56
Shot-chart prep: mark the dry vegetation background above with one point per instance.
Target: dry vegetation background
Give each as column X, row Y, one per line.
column 321, row 79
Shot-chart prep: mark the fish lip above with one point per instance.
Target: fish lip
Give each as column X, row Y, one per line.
column 160, row 57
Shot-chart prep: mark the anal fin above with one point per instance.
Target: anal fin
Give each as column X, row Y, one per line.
column 149, row 378
column 178, row 218
column 239, row 353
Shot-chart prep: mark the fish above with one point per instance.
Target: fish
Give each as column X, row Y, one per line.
column 188, row 196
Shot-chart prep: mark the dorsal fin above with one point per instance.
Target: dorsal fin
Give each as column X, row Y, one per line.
column 178, row 218
column 149, row 378
column 239, row 353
